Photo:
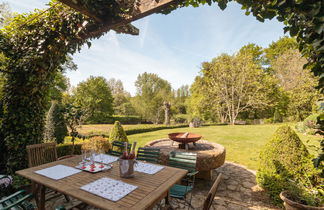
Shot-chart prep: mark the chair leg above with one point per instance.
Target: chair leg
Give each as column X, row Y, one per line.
column 67, row 198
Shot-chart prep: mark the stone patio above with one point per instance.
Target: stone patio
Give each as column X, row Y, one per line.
column 237, row 191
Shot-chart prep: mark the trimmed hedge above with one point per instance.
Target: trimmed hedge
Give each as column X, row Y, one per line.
column 123, row 119
column 285, row 162
column 66, row 149
column 139, row 129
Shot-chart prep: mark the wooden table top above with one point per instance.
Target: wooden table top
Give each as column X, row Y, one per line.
column 151, row 188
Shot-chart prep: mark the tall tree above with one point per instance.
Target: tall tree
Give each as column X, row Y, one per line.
column 151, row 93
column 299, row 84
column 94, row 97
column 121, row 104
column 233, row 84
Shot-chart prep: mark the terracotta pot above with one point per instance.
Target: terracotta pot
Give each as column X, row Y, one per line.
column 292, row 205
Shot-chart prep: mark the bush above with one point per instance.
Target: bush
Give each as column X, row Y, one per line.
column 55, row 128
column 181, row 118
column 98, row 144
column 117, row 133
column 309, row 125
column 66, row 149
column 284, row 159
column 277, row 117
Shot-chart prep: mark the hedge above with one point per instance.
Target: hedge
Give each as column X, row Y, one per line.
column 66, row 149
column 130, row 131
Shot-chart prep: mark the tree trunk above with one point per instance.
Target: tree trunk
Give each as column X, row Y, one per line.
column 167, row 113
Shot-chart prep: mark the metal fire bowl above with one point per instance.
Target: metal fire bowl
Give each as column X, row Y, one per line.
column 190, row 138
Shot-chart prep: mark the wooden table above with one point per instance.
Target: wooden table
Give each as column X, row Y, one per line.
column 151, row 188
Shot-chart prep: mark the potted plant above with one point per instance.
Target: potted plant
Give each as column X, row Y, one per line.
column 299, row 197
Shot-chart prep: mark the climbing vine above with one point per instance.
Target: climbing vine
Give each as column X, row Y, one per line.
column 35, row 45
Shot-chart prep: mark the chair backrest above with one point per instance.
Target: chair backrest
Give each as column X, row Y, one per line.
column 148, row 154
column 183, row 160
column 39, row 154
column 118, row 148
column 212, row 192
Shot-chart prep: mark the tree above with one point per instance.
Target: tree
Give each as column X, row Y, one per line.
column 121, row 104
column 95, row 99
column 233, row 84
column 55, row 127
column 5, row 14
column 299, row 84
column 278, row 48
column 181, row 95
column 152, row 91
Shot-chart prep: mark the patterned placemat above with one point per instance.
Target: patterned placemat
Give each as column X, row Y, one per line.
column 147, row 168
column 110, row 189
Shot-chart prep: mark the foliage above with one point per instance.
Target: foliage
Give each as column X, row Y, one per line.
column 277, row 116
column 298, row 83
column 55, row 127
column 151, row 92
column 94, row 97
column 129, row 130
column 233, row 84
column 68, row 148
column 285, row 158
column 98, row 144
column 117, row 133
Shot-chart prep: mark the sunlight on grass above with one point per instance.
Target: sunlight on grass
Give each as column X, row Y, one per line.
column 242, row 142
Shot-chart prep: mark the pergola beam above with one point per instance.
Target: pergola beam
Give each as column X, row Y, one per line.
column 145, row 8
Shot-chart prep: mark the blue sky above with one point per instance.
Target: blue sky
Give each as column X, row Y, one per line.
column 173, row 46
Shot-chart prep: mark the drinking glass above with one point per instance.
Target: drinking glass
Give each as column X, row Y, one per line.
column 101, row 158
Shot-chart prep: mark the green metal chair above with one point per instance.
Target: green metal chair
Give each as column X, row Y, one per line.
column 16, row 201
column 187, row 161
column 148, row 154
column 118, row 148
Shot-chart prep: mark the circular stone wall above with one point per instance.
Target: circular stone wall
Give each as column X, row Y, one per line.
column 209, row 155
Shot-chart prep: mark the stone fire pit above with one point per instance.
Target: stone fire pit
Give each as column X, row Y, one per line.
column 209, row 155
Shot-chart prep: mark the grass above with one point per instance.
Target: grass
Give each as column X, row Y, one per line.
column 242, row 142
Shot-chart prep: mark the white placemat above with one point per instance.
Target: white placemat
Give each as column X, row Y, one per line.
column 110, row 189
column 58, row 172
column 107, row 159
column 147, row 168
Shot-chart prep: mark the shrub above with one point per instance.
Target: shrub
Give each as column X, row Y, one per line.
column 117, row 133
column 97, row 143
column 55, row 128
column 309, row 125
column 284, row 159
column 277, row 117
column 181, row 118
column 66, row 149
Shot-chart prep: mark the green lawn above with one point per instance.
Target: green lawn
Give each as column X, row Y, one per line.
column 242, row 142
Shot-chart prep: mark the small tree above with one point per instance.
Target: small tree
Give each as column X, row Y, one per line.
column 117, row 133
column 73, row 117
column 55, row 128
column 283, row 161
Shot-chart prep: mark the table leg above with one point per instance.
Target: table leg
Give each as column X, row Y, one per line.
column 41, row 205
column 39, row 195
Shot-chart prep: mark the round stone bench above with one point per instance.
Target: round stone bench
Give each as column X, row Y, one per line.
column 209, row 155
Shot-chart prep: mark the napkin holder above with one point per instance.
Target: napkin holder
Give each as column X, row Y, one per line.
column 126, row 168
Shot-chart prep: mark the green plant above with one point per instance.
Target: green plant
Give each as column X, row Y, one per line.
column 277, row 116
column 285, row 158
column 67, row 148
column 117, row 133
column 55, row 127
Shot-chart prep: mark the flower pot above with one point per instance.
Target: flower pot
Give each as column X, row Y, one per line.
column 292, row 205
column 126, row 168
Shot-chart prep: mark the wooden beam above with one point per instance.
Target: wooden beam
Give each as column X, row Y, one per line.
column 145, row 8
column 79, row 8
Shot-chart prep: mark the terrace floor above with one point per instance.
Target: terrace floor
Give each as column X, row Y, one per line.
column 238, row 190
